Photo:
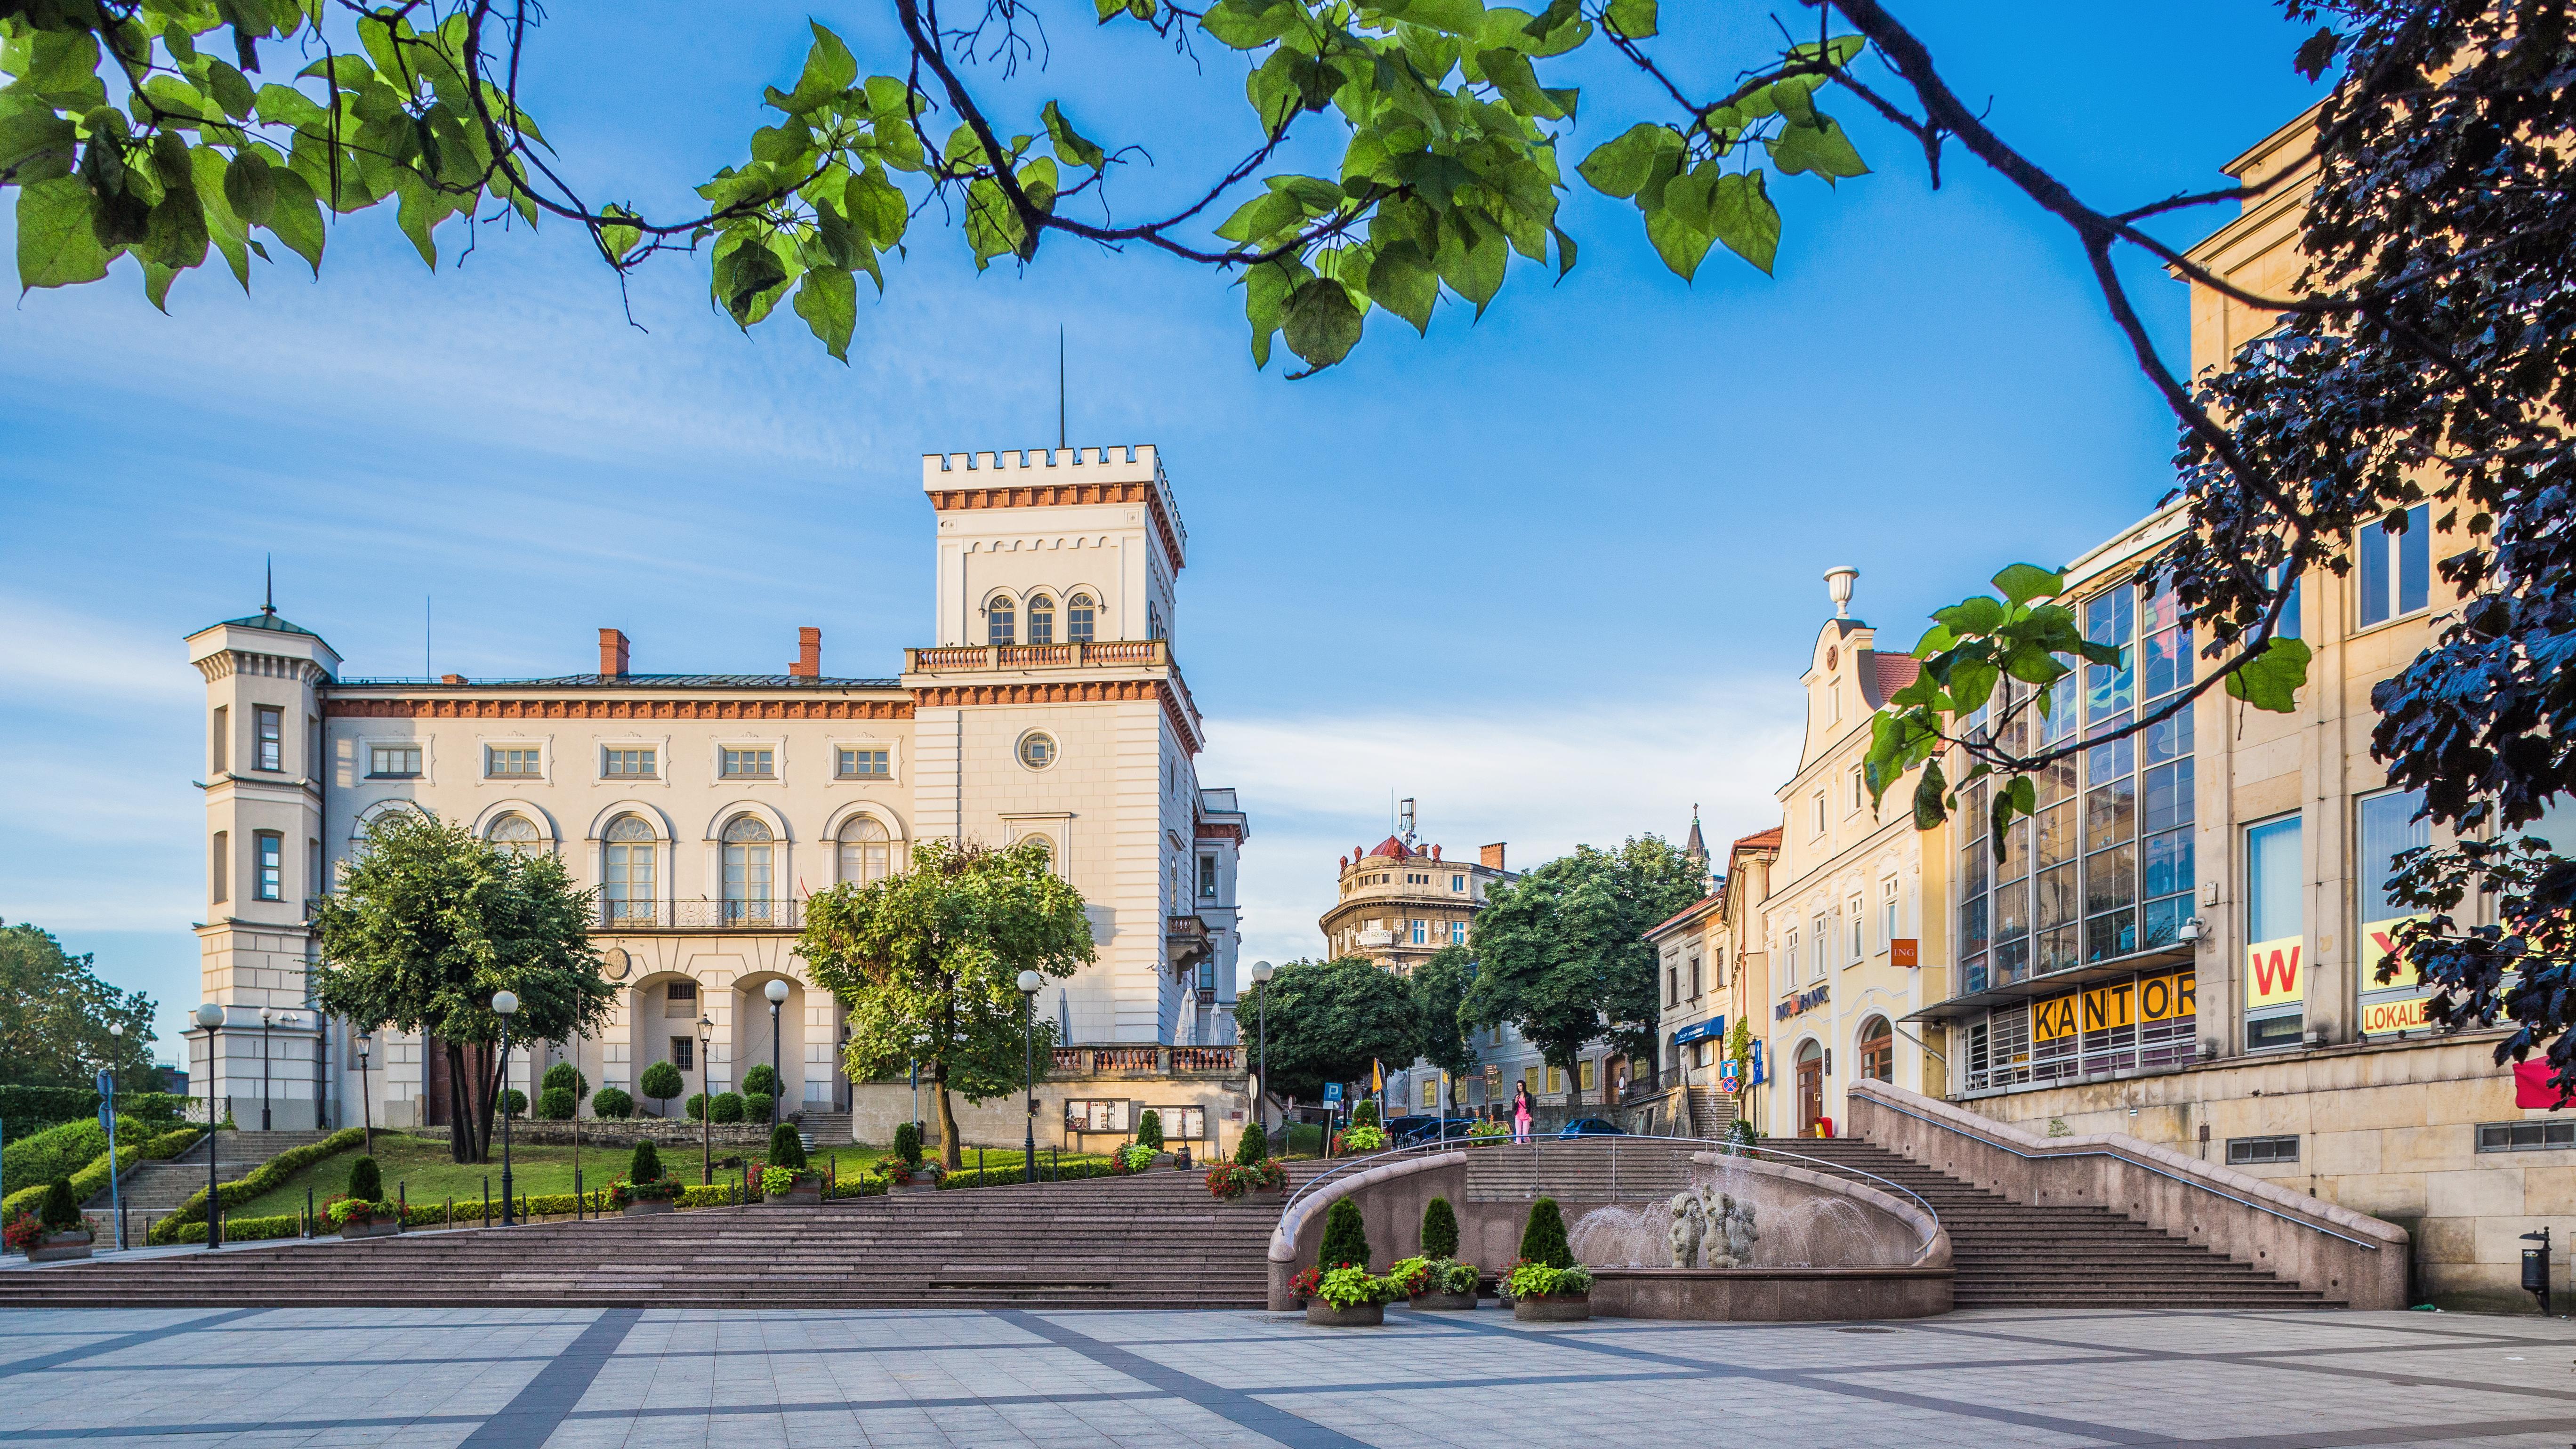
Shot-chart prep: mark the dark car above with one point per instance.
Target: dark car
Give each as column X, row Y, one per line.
column 1428, row 1129
column 1593, row 1127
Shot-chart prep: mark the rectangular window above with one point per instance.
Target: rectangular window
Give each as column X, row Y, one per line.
column 1695, row 978
column 1672, row 986
column 2396, row 573
column 1859, row 790
column 1078, row 620
column 684, row 1053
column 680, row 998
column 272, row 738
column 1591, row 1074
column 270, row 864
column 627, row 762
column 313, row 867
column 749, row 764
column 2243, row 1151
column 222, row 740
column 1859, row 936
column 2388, row 829
column 219, row 868
column 512, row 762
column 393, row 762
column 1816, row 813
column 1207, row 877
column 1887, row 909
column 2275, row 932
column 1457, row 933
column 864, row 765
column 1421, row 932
column 1430, row 1093
column 1821, row 949
column 1457, row 883
column 2526, row 1136
column 1556, row 1079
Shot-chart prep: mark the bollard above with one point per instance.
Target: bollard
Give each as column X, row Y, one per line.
column 487, row 1200
column 451, row 1209
column 402, row 1204
column 579, row 1207
column 308, row 1211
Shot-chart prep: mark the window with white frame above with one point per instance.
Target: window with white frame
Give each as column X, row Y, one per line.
column 1207, row 877
column 1816, row 814
column 1458, row 883
column 1079, row 614
column 1821, row 950
column 858, row 762
column 750, row 762
column 513, row 762
column 1457, row 933
column 867, row 851
column 271, row 738
column 1891, row 925
column 1001, row 622
column 516, row 834
column 1859, row 937
column 747, row 865
column 1421, row 931
column 1041, row 619
column 2395, row 573
column 393, row 762
column 628, row 884
column 629, row 762
column 269, row 882
column 1859, row 790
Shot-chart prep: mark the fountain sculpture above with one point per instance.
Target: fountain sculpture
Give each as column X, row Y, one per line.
column 1703, row 1215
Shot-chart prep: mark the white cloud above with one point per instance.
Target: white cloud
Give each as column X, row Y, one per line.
column 1543, row 779
column 55, row 659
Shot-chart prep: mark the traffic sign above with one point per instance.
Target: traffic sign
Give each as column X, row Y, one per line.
column 1332, row 1091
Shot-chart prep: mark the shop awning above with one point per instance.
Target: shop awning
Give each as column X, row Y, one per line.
column 1700, row 1031
column 2161, row 958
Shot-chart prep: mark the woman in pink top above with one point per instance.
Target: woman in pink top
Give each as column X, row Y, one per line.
column 1520, row 1112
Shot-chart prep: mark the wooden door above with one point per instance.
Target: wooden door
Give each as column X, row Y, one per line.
column 1811, row 1094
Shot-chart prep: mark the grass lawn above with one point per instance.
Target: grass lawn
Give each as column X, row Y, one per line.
column 421, row 1168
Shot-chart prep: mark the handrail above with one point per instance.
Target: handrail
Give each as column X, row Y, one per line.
column 2134, row 1162
column 1727, row 1146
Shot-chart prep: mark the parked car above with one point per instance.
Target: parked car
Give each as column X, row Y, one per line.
column 1428, row 1129
column 1593, row 1127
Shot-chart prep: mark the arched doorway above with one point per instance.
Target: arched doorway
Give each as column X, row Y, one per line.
column 1878, row 1050
column 1811, row 1086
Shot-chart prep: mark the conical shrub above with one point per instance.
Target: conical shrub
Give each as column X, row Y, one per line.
column 1439, row 1229
column 1149, row 1130
column 1254, row 1149
column 366, row 1183
column 646, row 1164
column 786, row 1148
column 1543, row 1237
column 1345, row 1237
column 1365, row 1114
column 907, row 1143
column 61, row 1212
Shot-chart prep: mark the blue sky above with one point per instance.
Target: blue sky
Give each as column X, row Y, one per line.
column 1552, row 573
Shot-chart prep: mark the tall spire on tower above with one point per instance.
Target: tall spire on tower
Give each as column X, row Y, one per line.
column 1695, row 849
column 268, row 597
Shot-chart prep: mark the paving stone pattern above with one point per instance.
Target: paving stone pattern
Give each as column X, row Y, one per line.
column 519, row 1378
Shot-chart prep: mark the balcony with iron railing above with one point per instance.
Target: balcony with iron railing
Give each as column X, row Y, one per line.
column 702, row 915
column 1147, row 1061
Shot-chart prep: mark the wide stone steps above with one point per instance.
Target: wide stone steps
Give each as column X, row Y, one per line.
column 158, row 1187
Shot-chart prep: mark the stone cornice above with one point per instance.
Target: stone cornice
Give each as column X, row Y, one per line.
column 618, row 709
column 1066, row 495
column 1070, row 691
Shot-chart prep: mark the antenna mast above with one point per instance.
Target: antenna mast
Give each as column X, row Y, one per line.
column 1059, row 387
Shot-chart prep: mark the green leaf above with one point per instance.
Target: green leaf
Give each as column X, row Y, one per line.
column 1265, row 215
column 1471, row 260
column 418, row 211
column 56, row 244
column 1929, row 812
column 1975, row 614
column 1322, row 325
column 250, row 187
column 1071, row 146
column 872, row 199
column 1821, row 148
column 1741, row 213
column 231, row 90
column 296, row 216
column 1449, row 17
column 742, row 275
column 36, row 145
column 616, row 239
column 1617, row 167
column 829, row 70
column 1266, row 288
column 1403, row 281
column 828, row 300
column 2023, row 582
column 1248, row 24
column 2270, row 680
column 1633, row 18
column 1678, row 228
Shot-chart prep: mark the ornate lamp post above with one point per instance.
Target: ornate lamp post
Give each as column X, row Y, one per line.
column 1029, row 983
column 776, row 991
column 366, row 1043
column 107, row 1110
column 505, row 1004
column 706, row 1102
column 1261, row 1017
column 211, row 1016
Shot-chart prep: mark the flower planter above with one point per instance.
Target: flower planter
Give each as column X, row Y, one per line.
column 352, row 1229
column 918, row 1184
column 647, row 1206
column 1257, row 1197
column 806, row 1194
column 60, row 1248
column 1358, row 1315
column 1444, row 1302
column 1553, row 1308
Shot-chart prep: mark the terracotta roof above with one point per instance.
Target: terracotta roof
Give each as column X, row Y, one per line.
column 1392, row 848
column 1685, row 913
column 1882, row 675
column 1768, row 839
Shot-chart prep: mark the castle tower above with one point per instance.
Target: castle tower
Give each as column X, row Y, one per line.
column 264, row 861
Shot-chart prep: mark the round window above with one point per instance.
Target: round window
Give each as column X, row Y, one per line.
column 1037, row 749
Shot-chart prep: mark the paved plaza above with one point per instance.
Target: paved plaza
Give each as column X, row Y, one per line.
column 592, row 1378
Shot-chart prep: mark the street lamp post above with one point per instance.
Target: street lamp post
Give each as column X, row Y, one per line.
column 107, row 1110
column 211, row 1016
column 263, row 1068
column 366, row 1105
column 776, row 991
column 505, row 1004
column 1261, row 971
column 1029, row 983
column 706, row 1102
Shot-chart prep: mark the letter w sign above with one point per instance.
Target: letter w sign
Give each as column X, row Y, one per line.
column 2272, row 972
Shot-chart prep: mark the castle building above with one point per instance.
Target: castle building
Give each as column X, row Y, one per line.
column 705, row 809
column 1399, row 903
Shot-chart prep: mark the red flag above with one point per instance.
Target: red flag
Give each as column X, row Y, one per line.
column 2532, row 1086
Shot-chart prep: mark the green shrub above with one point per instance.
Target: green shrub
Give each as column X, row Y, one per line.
column 728, row 1106
column 786, row 1147
column 661, row 1082
column 253, row 1183
column 613, row 1104
column 1254, row 1149
column 566, row 1076
column 66, row 1148
column 30, row 1110
column 1149, row 1130
column 1439, row 1229
column 755, row 1106
column 1345, row 1237
column 514, row 1103
column 907, row 1143
column 366, row 1183
column 762, row 1078
column 696, row 1106
column 134, row 1144
column 1543, row 1236
column 646, row 1164
column 61, row 1212
column 1365, row 1114
column 556, row 1104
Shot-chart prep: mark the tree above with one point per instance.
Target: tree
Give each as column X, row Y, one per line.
column 429, row 922
column 661, row 1082
column 1346, row 1243
column 1149, row 1129
column 55, row 1013
column 1439, row 1229
column 1438, row 985
column 1562, row 955
column 1543, row 1235
column 786, row 1147
column 1330, row 1019
column 928, row 964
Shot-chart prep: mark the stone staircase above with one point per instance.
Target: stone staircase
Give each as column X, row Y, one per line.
column 1712, row 1112
column 2014, row 1255
column 824, row 1129
column 1152, row 1241
column 159, row 1187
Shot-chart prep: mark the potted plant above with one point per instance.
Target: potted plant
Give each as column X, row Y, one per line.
column 1339, row 1290
column 1130, row 1157
column 65, row 1233
column 1437, row 1281
column 788, row 1178
column 1544, row 1283
column 1359, row 1137
column 905, row 1171
column 20, row 1234
column 1149, row 1135
column 645, row 1189
column 1251, row 1174
column 362, row 1212
column 1485, row 1129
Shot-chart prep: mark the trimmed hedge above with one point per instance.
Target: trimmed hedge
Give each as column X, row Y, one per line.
column 32, row 1109
column 251, row 1184
column 92, row 1179
column 612, row 1104
column 469, row 1213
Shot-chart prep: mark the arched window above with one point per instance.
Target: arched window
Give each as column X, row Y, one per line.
column 1078, row 613
column 1041, row 619
column 1877, row 1050
column 516, row 834
column 630, row 875
column 867, row 851
column 746, row 871
column 999, row 621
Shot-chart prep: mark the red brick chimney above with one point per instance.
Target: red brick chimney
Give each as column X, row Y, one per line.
column 1493, row 855
column 809, row 655
column 612, row 653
